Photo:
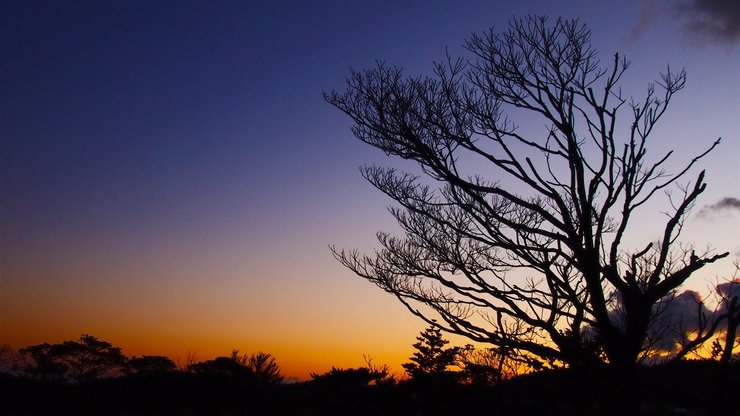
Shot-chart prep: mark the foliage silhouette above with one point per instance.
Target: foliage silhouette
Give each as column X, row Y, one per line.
column 431, row 360
column 89, row 358
column 487, row 367
column 348, row 376
column 223, row 367
column 354, row 377
column 264, row 367
column 148, row 364
column 8, row 359
column 515, row 237
column 257, row 369
column 214, row 388
column 40, row 362
column 83, row 360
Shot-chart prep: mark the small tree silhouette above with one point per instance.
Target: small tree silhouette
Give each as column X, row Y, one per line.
column 264, row 367
column 431, row 359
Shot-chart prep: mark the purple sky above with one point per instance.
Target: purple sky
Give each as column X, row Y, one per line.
column 171, row 173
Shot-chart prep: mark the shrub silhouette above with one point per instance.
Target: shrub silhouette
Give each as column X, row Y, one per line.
column 221, row 366
column 356, row 376
column 348, row 376
column 152, row 364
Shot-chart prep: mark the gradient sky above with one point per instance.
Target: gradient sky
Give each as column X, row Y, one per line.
column 171, row 177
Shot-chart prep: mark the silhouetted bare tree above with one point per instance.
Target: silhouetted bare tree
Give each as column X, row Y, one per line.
column 487, row 367
column 516, row 237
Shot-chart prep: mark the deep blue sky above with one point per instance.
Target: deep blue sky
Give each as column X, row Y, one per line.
column 177, row 159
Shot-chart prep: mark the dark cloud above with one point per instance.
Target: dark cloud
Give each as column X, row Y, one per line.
column 684, row 310
column 673, row 317
column 707, row 20
column 712, row 19
column 727, row 291
column 724, row 205
column 676, row 316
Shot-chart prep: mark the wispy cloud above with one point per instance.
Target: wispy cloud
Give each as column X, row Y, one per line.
column 726, row 204
column 650, row 11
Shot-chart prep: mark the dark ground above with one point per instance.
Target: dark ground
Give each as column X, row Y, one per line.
column 691, row 388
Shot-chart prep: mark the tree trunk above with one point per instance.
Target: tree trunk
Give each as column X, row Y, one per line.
column 733, row 318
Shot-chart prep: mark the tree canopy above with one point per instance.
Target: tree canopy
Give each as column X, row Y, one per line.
column 83, row 360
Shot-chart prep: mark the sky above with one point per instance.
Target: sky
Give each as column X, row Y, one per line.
column 171, row 178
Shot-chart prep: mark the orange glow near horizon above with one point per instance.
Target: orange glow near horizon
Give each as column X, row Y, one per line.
column 296, row 360
column 306, row 326
column 207, row 322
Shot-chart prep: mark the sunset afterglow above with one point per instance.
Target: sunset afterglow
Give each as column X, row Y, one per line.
column 171, row 179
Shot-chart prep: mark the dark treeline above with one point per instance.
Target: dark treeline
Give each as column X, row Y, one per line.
column 90, row 359
column 90, row 376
